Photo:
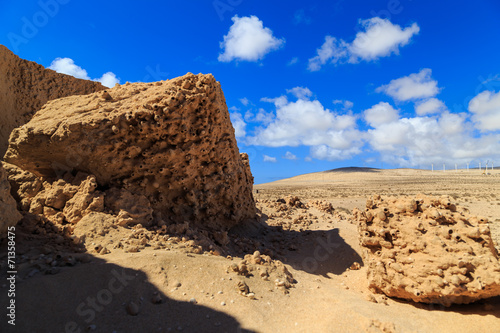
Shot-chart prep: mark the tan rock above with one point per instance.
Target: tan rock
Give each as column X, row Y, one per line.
column 26, row 86
column 171, row 142
column 428, row 250
column 9, row 215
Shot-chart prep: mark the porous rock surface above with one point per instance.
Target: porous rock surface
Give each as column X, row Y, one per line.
column 427, row 249
column 9, row 215
column 170, row 143
column 26, row 86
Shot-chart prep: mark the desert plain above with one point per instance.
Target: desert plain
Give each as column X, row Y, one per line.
column 316, row 279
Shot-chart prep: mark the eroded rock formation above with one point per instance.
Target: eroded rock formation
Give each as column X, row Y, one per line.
column 428, row 250
column 165, row 150
column 9, row 215
column 26, row 86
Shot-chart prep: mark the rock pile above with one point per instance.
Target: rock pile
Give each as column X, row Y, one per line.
column 26, row 86
column 428, row 250
column 161, row 153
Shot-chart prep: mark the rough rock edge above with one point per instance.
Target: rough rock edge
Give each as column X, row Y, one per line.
column 171, row 141
column 9, row 215
column 428, row 250
column 26, row 86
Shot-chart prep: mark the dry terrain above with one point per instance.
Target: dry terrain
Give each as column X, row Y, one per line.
column 308, row 277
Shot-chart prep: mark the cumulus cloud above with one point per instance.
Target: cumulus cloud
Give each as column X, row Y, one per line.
column 68, row 66
column 381, row 113
column 248, row 40
column 324, row 152
column 379, row 38
column 290, row 156
column 300, row 92
column 238, row 124
column 412, row 87
column 430, row 106
column 309, row 123
column 420, row 141
column 109, row 79
column 486, row 110
column 270, row 159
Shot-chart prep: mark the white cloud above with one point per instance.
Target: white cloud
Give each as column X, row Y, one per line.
column 270, row 159
column 331, row 51
column 414, row 86
column 430, row 106
column 308, row 123
column 346, row 105
column 278, row 101
column 381, row 113
column 244, row 101
column 308, row 159
column 248, row 40
column 68, row 66
column 486, row 109
column 109, row 79
column 300, row 92
column 380, row 38
column 238, row 124
column 420, row 141
column 264, row 117
column 290, row 156
column 324, row 152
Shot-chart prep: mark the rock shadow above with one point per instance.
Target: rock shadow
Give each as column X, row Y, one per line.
column 94, row 296
column 483, row 307
column 319, row 252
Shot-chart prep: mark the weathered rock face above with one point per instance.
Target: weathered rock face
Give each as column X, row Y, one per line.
column 61, row 201
column 26, row 86
column 428, row 250
column 9, row 215
column 170, row 141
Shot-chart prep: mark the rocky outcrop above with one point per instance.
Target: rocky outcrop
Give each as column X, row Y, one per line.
column 61, row 201
column 168, row 145
column 428, row 250
column 26, row 86
column 9, row 215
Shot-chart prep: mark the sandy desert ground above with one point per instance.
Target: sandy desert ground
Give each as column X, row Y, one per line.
column 308, row 286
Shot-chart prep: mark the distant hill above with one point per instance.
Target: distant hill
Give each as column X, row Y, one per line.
column 354, row 169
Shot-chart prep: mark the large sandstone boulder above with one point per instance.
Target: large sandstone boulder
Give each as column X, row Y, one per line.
column 26, row 86
column 428, row 250
column 169, row 141
column 9, row 215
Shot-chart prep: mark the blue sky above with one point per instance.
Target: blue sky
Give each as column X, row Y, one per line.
column 310, row 86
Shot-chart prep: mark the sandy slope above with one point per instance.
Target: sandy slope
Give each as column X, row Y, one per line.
column 327, row 295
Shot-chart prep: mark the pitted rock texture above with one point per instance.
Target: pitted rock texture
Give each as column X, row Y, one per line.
column 61, row 201
column 9, row 215
column 26, row 86
column 170, row 141
column 428, row 250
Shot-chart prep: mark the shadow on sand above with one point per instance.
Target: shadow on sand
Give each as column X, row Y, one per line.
column 94, row 297
column 319, row 252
